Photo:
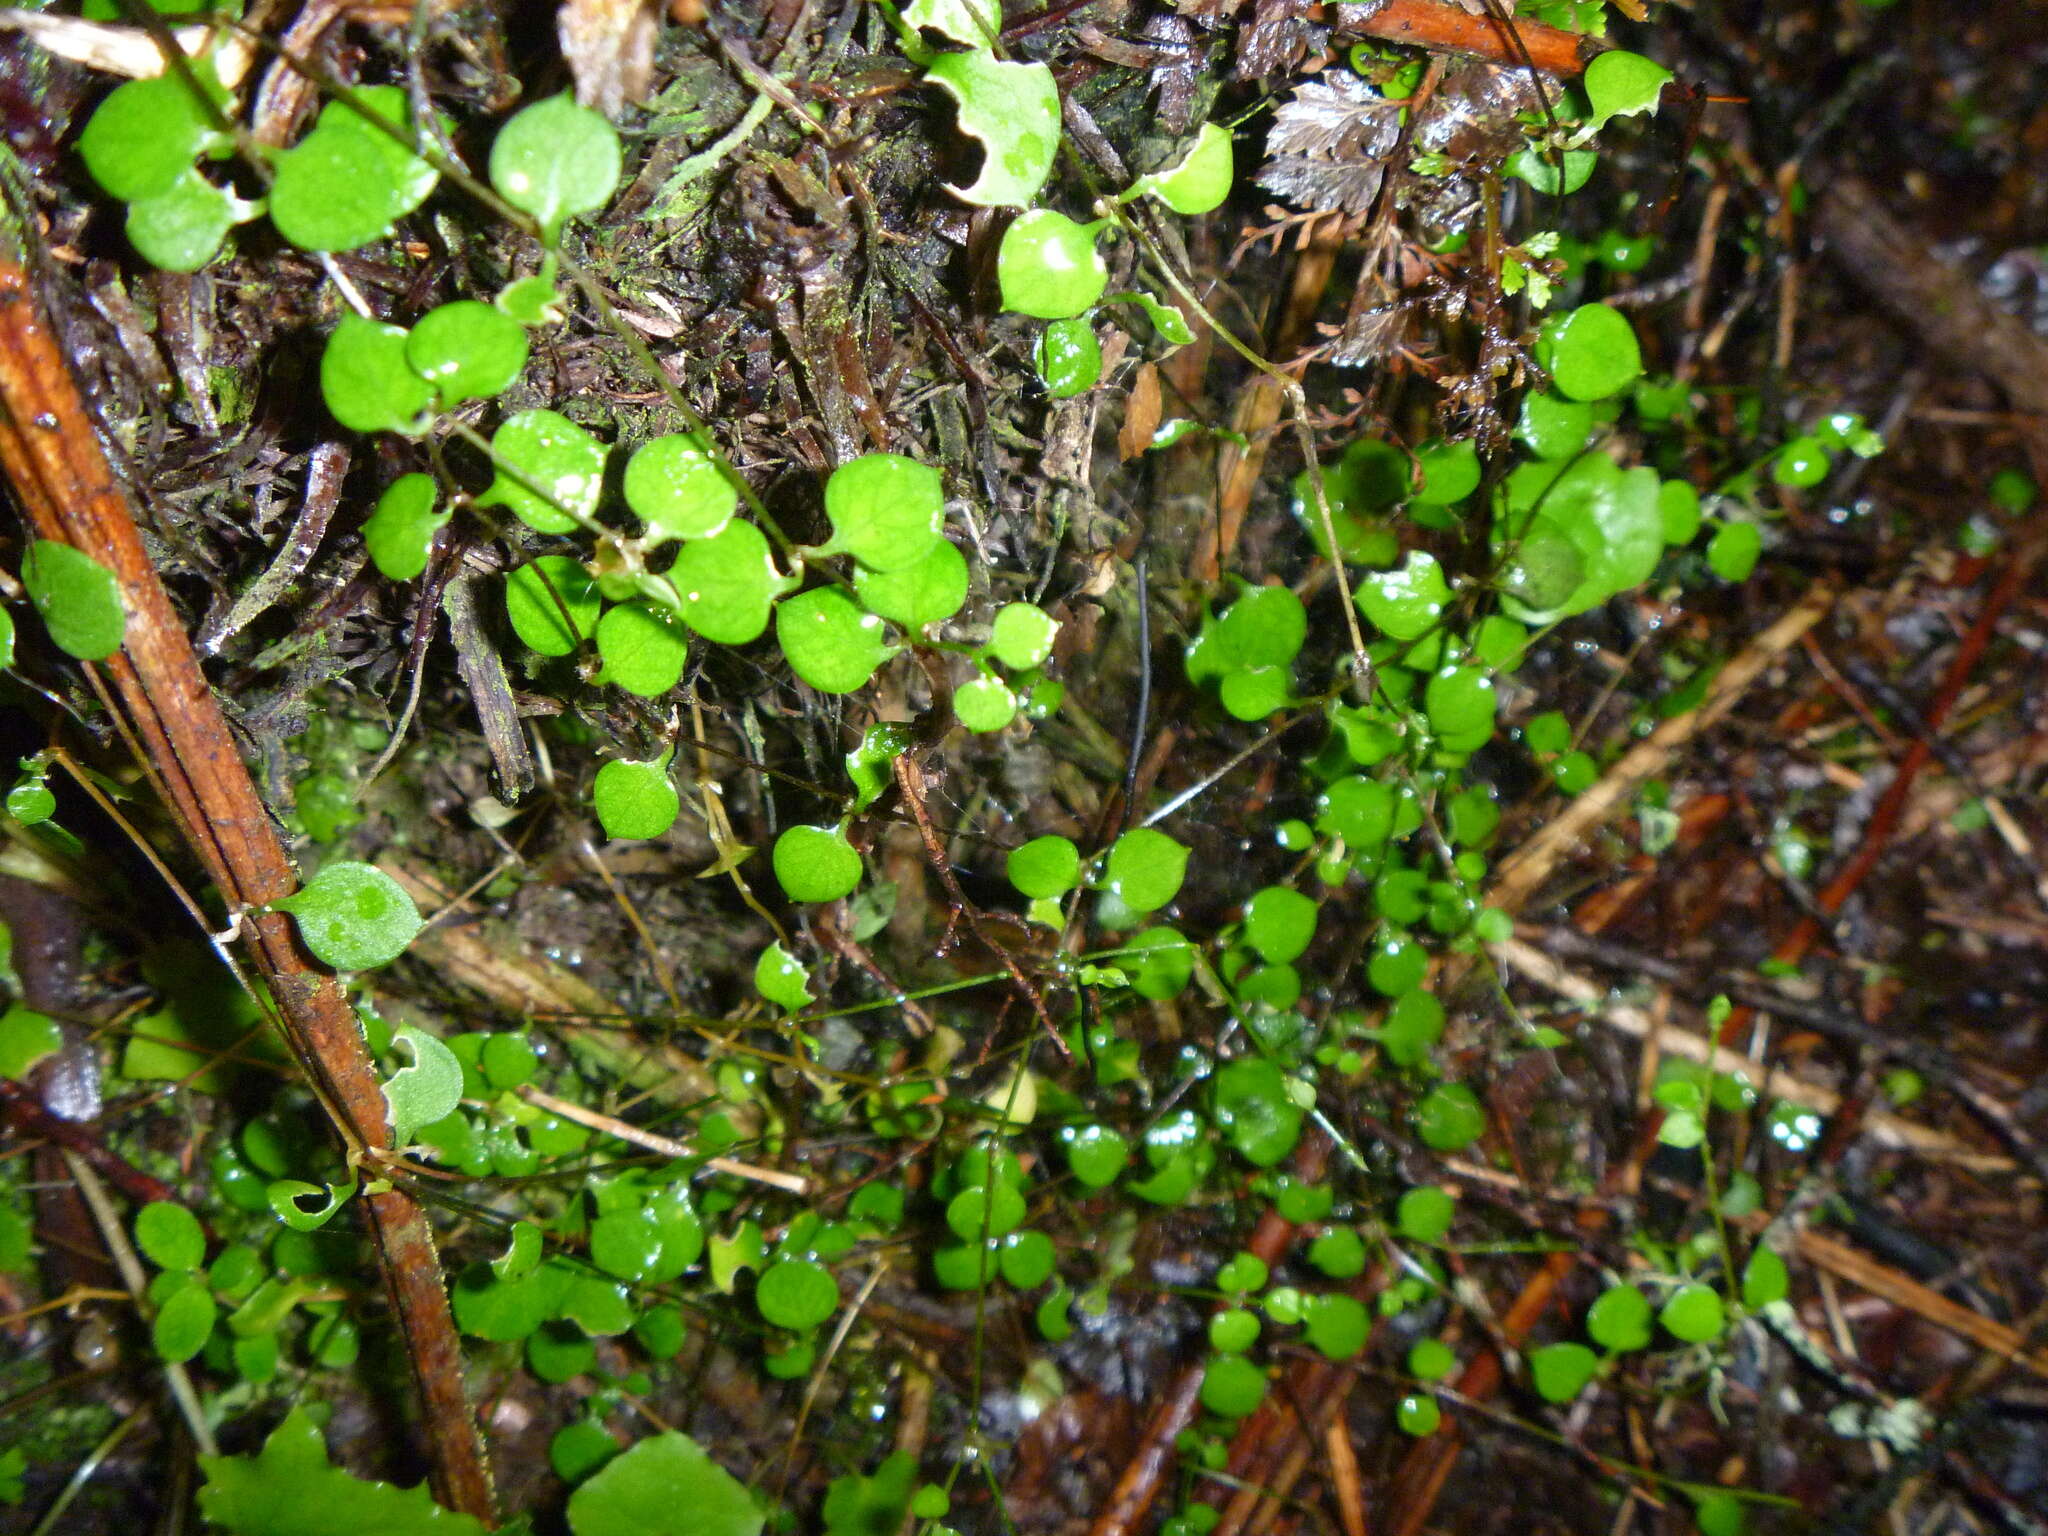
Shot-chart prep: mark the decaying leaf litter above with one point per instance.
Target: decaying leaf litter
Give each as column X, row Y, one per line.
column 818, row 293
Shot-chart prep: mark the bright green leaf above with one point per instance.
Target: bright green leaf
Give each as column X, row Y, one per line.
column 815, row 864
column 829, row 640
column 556, row 160
column 467, row 350
column 347, row 182
column 1014, row 110
column 366, row 381
column 553, row 604
column 290, row 1490
column 1048, row 267
column 550, row 472
column 353, row 917
column 78, row 598
column 400, row 533
column 679, row 489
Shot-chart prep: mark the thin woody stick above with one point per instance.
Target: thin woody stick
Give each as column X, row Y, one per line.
column 795, row 1183
column 51, row 453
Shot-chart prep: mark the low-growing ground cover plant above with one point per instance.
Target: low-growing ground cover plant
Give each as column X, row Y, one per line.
column 918, row 758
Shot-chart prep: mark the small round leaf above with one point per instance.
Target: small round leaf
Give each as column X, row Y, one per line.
column 634, row 799
column 1405, row 603
column 78, row 598
column 985, row 704
column 797, row 1294
column 1593, row 353
column 1069, row 358
column 727, row 583
column 815, row 864
column 1693, row 1313
column 829, row 640
column 1561, row 1371
column 466, row 350
column 1014, row 110
column 678, row 488
column 1022, row 635
column 550, row 471
column 348, row 181
column 781, row 978
column 553, row 604
column 1232, row 1386
column 183, row 1324
column 1145, row 869
column 1424, row 1214
column 353, row 916
column 643, row 647
column 1048, row 267
column 181, row 228
column 1280, row 922
column 1045, row 866
column 400, row 533
column 1202, row 180
column 145, row 136
column 1449, row 1118
column 886, row 510
column 1619, row 1319
column 555, row 160
column 928, row 592
column 170, row 1236
column 366, row 381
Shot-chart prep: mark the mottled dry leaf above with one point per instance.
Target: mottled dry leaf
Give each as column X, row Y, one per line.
column 609, row 45
column 1347, row 186
column 1335, row 114
column 1278, row 39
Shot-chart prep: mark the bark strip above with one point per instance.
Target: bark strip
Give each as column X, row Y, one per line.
column 51, row 453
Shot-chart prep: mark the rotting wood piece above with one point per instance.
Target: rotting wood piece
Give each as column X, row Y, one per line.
column 52, row 456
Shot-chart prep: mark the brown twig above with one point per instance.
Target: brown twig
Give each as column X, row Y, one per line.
column 1433, row 24
column 51, row 453
column 910, row 779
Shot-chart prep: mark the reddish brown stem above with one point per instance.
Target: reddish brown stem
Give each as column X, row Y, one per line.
column 51, row 453
column 1432, row 24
